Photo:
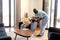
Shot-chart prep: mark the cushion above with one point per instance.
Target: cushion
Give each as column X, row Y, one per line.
column 55, row 36
column 52, row 29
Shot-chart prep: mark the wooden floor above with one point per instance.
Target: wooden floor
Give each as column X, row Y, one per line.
column 44, row 37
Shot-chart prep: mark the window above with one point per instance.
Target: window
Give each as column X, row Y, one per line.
column 5, row 7
column 8, row 12
column 58, row 15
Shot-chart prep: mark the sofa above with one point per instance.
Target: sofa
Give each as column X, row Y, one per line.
column 3, row 35
column 53, row 33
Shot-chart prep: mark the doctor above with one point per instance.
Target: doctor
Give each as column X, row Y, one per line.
column 44, row 17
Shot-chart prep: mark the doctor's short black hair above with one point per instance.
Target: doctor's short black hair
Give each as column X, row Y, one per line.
column 35, row 10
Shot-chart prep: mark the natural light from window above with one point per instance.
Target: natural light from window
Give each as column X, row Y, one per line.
column 58, row 15
column 6, row 17
column 5, row 11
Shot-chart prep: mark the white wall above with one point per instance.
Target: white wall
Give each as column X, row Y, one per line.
column 17, row 11
column 28, row 5
column 35, row 4
column 24, row 7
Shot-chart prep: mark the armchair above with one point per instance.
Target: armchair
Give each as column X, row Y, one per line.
column 54, row 33
column 3, row 35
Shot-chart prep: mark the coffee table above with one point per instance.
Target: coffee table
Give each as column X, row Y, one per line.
column 23, row 33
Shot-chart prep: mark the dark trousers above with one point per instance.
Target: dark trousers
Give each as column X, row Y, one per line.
column 29, row 26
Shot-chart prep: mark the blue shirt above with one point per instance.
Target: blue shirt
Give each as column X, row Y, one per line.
column 41, row 14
